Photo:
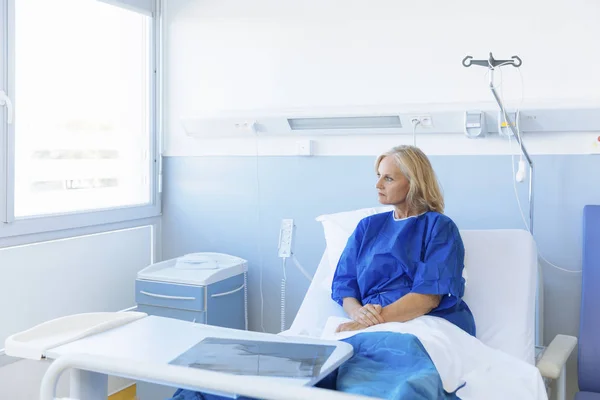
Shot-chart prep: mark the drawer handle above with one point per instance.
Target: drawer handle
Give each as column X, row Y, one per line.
column 164, row 296
column 230, row 292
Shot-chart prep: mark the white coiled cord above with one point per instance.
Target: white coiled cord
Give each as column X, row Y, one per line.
column 246, row 300
column 283, row 284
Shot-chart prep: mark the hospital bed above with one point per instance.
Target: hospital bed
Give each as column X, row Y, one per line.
column 501, row 272
column 500, row 264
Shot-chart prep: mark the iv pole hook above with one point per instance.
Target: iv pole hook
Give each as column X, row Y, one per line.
column 492, row 62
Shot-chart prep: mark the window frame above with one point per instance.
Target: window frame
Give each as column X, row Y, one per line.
column 77, row 219
column 3, row 111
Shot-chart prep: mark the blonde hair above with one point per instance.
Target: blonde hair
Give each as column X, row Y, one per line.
column 424, row 193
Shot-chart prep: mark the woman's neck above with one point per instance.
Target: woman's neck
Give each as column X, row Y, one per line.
column 403, row 212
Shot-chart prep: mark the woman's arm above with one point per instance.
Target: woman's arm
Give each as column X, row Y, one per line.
column 345, row 283
column 410, row 306
column 439, row 274
column 350, row 305
column 367, row 315
column 344, row 287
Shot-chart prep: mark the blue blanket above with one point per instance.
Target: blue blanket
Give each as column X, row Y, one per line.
column 386, row 365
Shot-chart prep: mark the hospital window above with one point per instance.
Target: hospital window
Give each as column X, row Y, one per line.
column 81, row 78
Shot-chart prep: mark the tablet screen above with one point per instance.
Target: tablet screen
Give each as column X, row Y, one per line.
column 260, row 358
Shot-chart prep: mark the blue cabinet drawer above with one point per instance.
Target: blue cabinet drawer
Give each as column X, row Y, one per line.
column 226, row 303
column 171, row 295
column 185, row 315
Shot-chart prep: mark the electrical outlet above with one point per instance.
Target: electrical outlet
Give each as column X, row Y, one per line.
column 286, row 233
column 424, row 121
column 595, row 146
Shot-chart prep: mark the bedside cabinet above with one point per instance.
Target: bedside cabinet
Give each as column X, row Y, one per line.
column 206, row 288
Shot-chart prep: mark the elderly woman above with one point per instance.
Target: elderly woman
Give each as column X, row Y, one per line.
column 408, row 262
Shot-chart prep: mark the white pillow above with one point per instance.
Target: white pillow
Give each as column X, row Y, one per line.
column 339, row 227
column 317, row 306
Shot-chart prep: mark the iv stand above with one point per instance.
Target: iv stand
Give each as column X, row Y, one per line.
column 516, row 62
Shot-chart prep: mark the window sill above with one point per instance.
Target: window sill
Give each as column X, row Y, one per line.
column 34, row 225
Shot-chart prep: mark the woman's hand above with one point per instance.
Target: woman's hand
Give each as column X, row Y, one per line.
column 368, row 315
column 350, row 326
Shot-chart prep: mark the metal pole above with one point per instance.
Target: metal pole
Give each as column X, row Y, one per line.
column 523, row 149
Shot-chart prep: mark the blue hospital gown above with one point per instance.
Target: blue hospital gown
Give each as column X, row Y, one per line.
column 386, row 258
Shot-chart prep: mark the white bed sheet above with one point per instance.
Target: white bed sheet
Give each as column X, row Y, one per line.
column 465, row 365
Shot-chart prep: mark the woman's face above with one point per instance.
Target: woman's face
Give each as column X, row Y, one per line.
column 392, row 186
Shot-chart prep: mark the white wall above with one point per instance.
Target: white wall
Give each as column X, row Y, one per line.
column 268, row 54
column 86, row 272
column 226, row 55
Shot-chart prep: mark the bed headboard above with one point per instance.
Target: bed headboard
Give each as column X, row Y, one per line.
column 589, row 324
column 501, row 269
